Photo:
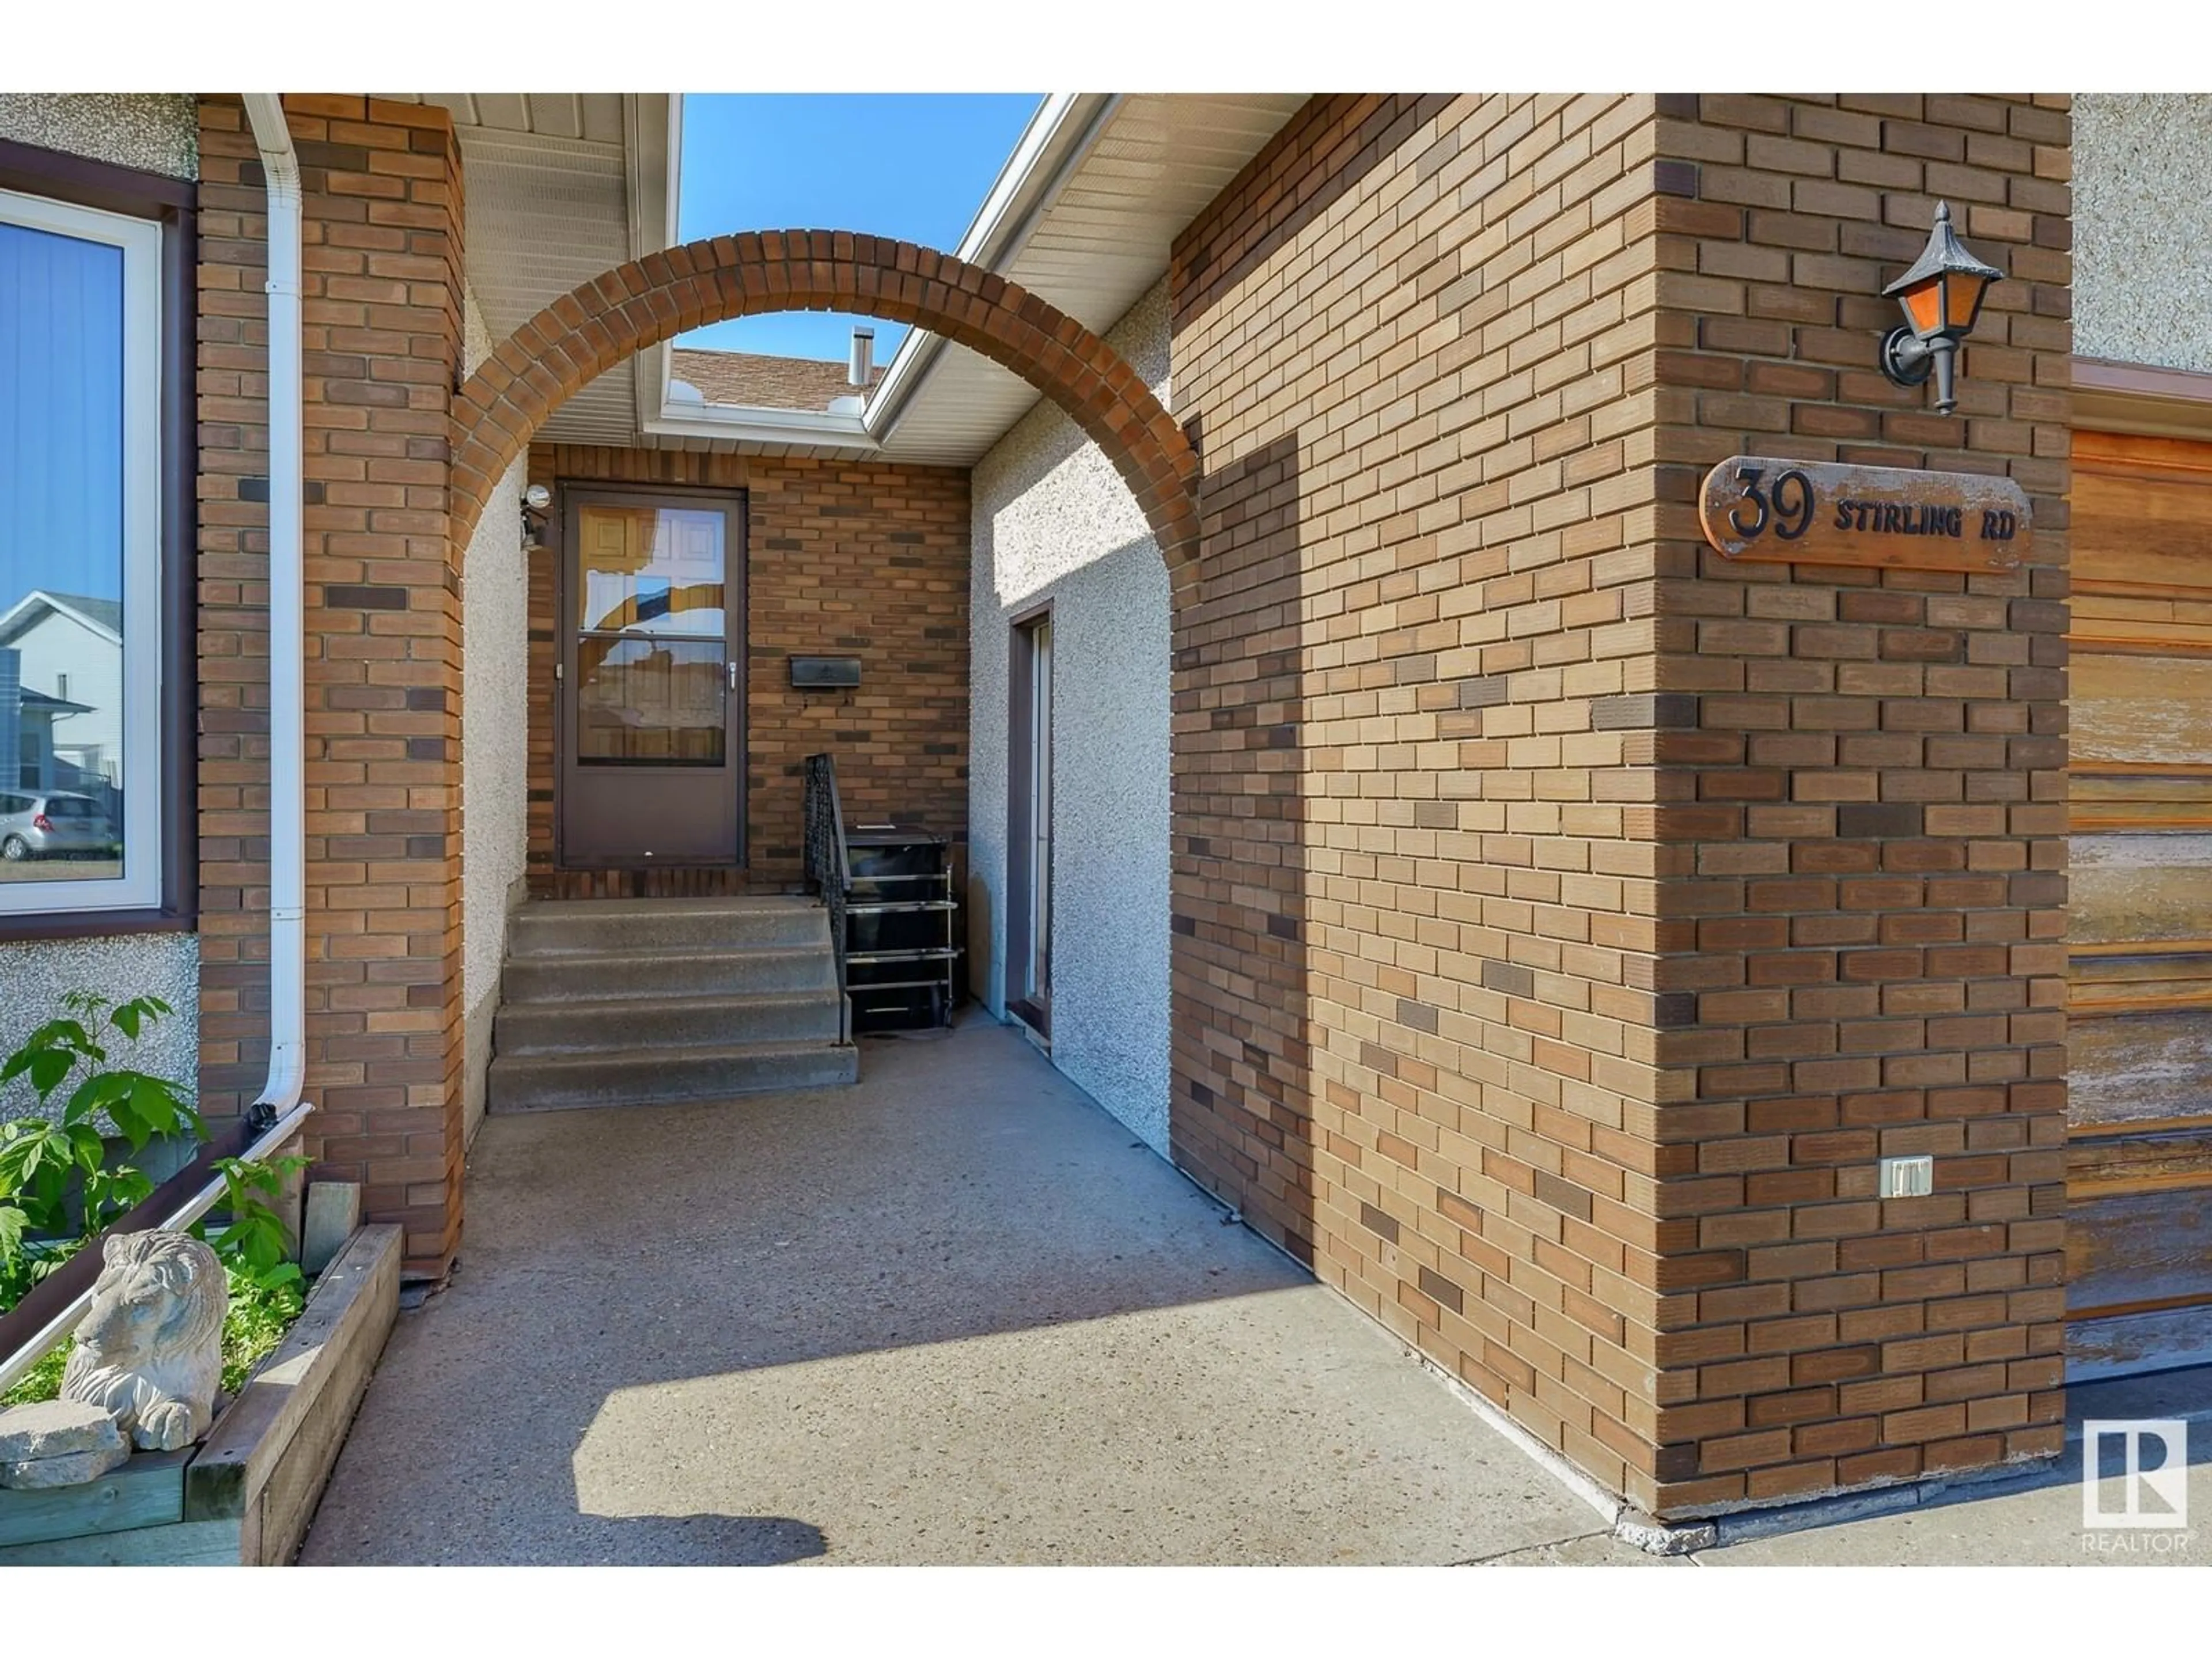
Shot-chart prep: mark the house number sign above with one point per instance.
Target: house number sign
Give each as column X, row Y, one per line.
column 1760, row 509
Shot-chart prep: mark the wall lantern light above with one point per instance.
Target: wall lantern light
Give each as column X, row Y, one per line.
column 1943, row 300
column 536, row 501
column 1941, row 296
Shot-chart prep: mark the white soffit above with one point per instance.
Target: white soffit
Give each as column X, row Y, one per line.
column 1093, row 248
column 559, row 187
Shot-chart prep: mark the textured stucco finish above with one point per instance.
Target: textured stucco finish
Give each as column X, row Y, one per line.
column 2142, row 227
column 158, row 132
column 1055, row 522
column 495, row 783
column 34, row 975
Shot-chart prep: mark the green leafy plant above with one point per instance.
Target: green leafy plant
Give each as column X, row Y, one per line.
column 43, row 1381
column 60, row 1182
column 267, row 1290
column 254, row 1240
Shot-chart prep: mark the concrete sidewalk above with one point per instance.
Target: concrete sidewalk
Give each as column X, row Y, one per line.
column 954, row 1314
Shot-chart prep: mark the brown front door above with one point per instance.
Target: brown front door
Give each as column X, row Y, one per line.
column 652, row 727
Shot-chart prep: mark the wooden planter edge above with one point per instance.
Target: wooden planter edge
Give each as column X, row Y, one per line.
column 246, row 1496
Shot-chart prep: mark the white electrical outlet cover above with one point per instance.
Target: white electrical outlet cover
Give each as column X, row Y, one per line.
column 1908, row 1177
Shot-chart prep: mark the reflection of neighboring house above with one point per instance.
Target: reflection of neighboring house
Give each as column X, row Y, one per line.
column 30, row 716
column 68, row 715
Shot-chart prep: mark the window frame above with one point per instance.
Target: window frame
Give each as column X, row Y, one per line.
column 153, row 218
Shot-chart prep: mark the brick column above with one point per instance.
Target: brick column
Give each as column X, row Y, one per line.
column 1566, row 920
column 1866, row 821
column 382, row 300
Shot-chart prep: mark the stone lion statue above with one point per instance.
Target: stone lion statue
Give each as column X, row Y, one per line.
column 150, row 1351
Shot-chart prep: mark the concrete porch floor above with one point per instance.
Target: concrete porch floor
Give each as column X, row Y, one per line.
column 954, row 1314
column 958, row 1315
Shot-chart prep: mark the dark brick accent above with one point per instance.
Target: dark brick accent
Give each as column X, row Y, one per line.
column 1512, row 979
column 1442, row 1290
column 257, row 489
column 1563, row 1195
column 1869, row 821
column 338, row 596
column 1378, row 1223
column 1667, row 711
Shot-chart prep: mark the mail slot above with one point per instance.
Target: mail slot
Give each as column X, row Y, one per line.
column 825, row 673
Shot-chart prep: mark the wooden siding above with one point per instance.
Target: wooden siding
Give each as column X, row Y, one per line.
column 2139, row 1167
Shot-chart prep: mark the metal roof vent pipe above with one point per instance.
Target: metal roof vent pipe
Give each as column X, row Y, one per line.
column 860, row 367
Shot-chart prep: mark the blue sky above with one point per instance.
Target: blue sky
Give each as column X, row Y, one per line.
column 61, row 415
column 915, row 165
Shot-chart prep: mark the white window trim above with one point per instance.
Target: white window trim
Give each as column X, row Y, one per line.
column 139, row 887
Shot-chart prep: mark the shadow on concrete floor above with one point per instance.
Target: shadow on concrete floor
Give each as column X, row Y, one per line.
column 954, row 1313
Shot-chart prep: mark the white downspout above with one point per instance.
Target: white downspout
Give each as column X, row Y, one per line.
column 287, row 827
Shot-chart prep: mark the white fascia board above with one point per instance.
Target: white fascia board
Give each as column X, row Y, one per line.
column 818, row 429
column 1053, row 143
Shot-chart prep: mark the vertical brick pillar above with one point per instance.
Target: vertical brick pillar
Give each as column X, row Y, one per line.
column 382, row 302
column 1415, row 879
column 1567, row 920
column 1866, row 820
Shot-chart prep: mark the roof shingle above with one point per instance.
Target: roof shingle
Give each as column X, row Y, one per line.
column 755, row 381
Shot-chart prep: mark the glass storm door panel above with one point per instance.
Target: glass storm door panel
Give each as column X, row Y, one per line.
column 652, row 680
column 1028, row 826
column 1039, row 966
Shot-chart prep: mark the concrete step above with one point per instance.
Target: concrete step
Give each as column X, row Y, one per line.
column 689, row 925
column 640, row 1076
column 605, row 977
column 620, row 1022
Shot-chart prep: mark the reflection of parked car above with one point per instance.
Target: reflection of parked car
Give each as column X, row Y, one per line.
column 37, row 825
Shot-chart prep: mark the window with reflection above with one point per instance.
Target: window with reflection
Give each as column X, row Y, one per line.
column 79, row 558
column 653, row 649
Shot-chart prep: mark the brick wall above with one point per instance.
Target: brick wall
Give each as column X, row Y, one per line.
column 1866, row 864
column 381, row 297
column 845, row 559
column 1415, row 898
column 1565, row 921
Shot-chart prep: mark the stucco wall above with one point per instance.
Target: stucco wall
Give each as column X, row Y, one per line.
column 2142, row 227
column 157, row 131
column 34, row 976
column 495, row 782
column 1053, row 521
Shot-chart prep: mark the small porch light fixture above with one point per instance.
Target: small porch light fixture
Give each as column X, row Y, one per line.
column 1941, row 296
column 536, row 501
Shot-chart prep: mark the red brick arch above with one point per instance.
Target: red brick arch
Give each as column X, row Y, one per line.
column 592, row 328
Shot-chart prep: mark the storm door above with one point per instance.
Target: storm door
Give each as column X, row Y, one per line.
column 652, row 744
column 1029, row 839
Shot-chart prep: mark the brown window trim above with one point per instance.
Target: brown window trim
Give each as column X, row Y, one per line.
column 174, row 203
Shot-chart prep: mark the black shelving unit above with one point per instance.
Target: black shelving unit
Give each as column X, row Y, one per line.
column 901, row 946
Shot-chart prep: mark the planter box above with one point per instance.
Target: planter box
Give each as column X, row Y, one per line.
column 243, row 1497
